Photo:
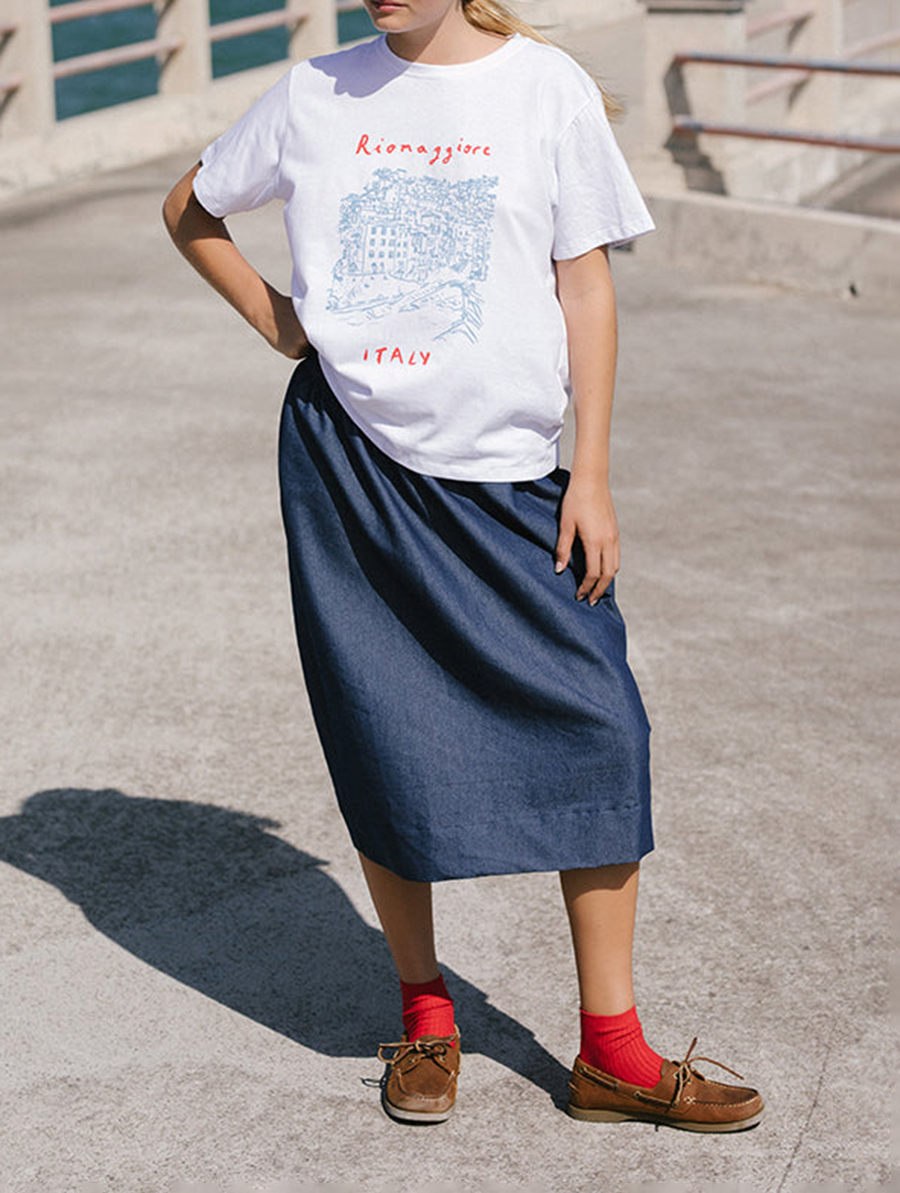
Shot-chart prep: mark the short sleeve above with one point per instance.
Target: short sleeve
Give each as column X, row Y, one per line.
column 242, row 169
column 598, row 201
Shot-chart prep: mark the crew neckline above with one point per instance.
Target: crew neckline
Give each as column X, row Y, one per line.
column 486, row 62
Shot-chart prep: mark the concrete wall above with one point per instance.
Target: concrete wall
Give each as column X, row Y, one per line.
column 36, row 151
column 573, row 15
column 128, row 133
column 851, row 255
column 819, row 102
column 191, row 108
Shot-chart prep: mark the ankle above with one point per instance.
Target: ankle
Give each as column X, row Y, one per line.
column 427, row 1009
column 616, row 1045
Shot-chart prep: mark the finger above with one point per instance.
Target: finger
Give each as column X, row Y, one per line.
column 598, row 590
column 592, row 571
column 610, row 567
column 563, row 552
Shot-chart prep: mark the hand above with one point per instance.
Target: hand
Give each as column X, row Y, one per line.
column 284, row 332
column 587, row 513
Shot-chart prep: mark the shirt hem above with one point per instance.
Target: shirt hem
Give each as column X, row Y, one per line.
column 611, row 237
column 501, row 473
column 208, row 204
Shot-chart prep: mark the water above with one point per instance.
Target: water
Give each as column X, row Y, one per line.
column 135, row 80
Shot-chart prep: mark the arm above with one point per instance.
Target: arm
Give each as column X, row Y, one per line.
column 587, row 297
column 204, row 241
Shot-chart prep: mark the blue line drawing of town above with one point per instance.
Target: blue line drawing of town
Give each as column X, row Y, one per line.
column 418, row 244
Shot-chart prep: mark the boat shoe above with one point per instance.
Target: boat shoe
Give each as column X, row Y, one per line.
column 681, row 1098
column 420, row 1084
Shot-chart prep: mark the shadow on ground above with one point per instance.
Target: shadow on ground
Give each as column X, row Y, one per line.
column 215, row 899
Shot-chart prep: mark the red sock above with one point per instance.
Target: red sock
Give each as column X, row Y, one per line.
column 616, row 1044
column 427, row 1009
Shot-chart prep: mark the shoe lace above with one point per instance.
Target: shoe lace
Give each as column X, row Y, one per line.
column 684, row 1071
column 415, row 1051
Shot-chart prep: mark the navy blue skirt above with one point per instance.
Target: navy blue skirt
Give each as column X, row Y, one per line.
column 475, row 718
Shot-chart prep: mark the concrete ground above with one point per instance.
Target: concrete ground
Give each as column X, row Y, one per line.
column 193, row 985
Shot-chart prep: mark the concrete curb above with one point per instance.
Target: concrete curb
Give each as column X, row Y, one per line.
column 803, row 248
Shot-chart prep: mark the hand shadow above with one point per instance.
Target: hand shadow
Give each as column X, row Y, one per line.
column 214, row 899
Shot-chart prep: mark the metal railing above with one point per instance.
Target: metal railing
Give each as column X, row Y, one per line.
column 74, row 100
column 76, row 10
column 160, row 48
column 177, row 34
column 242, row 26
column 784, row 62
column 795, row 70
column 687, row 126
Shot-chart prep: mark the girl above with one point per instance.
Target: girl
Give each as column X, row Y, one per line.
column 451, row 190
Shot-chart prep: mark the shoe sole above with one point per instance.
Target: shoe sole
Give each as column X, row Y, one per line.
column 615, row 1116
column 415, row 1116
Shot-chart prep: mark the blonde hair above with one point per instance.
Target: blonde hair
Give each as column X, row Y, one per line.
column 494, row 17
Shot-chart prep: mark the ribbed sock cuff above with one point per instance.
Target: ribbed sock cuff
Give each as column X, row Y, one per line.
column 427, row 1009
column 616, row 1044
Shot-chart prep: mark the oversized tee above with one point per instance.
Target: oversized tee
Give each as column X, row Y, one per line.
column 424, row 207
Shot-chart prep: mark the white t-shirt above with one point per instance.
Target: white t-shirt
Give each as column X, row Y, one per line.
column 424, row 206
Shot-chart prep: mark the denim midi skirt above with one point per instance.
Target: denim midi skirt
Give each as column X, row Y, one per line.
column 475, row 718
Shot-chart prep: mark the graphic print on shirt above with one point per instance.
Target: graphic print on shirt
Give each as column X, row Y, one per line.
column 415, row 244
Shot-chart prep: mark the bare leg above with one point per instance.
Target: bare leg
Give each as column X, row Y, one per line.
column 420, row 1083
column 404, row 909
column 601, row 903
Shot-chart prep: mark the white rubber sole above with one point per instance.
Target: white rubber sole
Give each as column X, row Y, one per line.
column 615, row 1116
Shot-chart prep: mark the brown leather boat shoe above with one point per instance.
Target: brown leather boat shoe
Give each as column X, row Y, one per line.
column 420, row 1085
column 681, row 1098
